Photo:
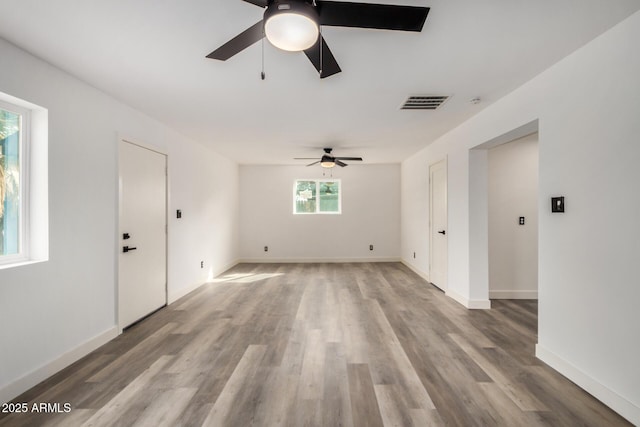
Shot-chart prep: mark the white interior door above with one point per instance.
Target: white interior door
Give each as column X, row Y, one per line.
column 142, row 275
column 438, row 224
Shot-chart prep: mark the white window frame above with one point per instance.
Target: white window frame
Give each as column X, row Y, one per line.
column 34, row 168
column 318, row 182
column 24, row 156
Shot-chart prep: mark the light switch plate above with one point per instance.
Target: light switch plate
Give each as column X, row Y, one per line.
column 557, row 204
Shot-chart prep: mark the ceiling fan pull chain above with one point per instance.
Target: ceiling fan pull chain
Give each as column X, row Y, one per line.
column 262, row 75
column 320, row 44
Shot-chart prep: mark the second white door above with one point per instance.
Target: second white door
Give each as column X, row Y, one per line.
column 142, row 240
column 438, row 219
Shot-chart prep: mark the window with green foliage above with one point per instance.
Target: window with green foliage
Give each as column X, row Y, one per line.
column 317, row 196
column 11, row 197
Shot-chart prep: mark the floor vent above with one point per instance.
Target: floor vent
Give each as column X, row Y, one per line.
column 424, row 102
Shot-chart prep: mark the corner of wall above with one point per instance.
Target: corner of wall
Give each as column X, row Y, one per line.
column 472, row 304
column 600, row 391
column 416, row 270
column 175, row 295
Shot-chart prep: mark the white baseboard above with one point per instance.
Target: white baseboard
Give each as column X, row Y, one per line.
column 416, row 270
column 505, row 294
column 479, row 304
column 314, row 260
column 470, row 304
column 175, row 295
column 473, row 304
column 228, row 266
column 15, row 388
column 601, row 392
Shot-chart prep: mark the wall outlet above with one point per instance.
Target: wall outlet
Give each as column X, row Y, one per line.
column 266, row 248
column 201, row 264
column 370, row 247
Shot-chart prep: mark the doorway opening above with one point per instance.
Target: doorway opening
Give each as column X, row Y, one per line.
column 479, row 213
column 513, row 219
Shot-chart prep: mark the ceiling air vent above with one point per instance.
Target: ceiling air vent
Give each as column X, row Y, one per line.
column 425, row 102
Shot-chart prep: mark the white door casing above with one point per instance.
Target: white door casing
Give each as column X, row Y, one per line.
column 142, row 269
column 438, row 237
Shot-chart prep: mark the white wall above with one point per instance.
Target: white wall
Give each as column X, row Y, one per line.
column 513, row 192
column 587, row 108
column 56, row 311
column 370, row 215
column 205, row 187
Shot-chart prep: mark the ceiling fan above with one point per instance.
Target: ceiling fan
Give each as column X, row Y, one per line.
column 329, row 161
column 294, row 25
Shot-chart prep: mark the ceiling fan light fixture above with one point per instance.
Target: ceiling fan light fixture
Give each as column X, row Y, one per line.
column 291, row 26
column 327, row 162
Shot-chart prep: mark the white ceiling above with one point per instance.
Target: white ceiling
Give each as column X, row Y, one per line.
column 151, row 55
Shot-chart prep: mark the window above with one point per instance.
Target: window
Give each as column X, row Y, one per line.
column 317, row 196
column 24, row 204
column 13, row 122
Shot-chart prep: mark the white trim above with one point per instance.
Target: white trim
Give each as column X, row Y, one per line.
column 141, row 144
column 14, row 389
column 473, row 304
column 505, row 294
column 479, row 304
column 470, row 304
column 416, row 270
column 314, row 260
column 21, row 263
column 24, row 189
column 34, row 215
column 618, row 403
column 174, row 296
column 221, row 270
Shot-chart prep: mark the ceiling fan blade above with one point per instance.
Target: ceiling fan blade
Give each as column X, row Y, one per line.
column 339, row 163
column 329, row 65
column 239, row 42
column 305, row 158
column 261, row 3
column 349, row 158
column 368, row 15
column 314, row 163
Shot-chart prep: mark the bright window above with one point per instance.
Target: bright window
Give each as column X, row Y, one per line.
column 24, row 172
column 13, row 139
column 317, row 196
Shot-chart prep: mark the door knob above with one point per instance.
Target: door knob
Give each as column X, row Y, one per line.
column 442, row 232
column 126, row 249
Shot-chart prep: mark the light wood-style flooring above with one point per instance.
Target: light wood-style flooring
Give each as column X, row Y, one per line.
column 368, row 344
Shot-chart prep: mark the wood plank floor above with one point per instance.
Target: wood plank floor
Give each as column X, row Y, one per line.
column 319, row 345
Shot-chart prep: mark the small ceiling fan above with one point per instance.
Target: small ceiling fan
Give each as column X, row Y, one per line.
column 329, row 161
column 294, row 25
